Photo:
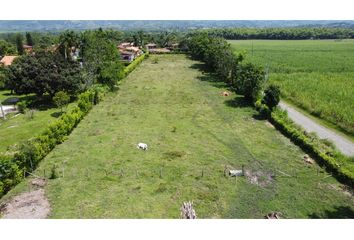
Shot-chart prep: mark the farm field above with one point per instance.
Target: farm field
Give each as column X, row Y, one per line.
column 315, row 75
column 21, row 127
column 193, row 133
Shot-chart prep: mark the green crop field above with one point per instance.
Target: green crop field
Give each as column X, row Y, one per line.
column 315, row 75
column 193, row 133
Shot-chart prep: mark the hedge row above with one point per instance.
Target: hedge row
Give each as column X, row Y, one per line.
column 324, row 152
column 32, row 151
column 128, row 69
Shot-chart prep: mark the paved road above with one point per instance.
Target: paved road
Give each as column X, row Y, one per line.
column 344, row 145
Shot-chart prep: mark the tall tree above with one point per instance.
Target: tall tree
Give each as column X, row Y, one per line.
column 67, row 40
column 19, row 44
column 29, row 39
column 6, row 48
column 100, row 58
column 44, row 72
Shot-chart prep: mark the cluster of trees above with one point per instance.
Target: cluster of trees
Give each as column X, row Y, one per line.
column 281, row 33
column 53, row 70
column 245, row 78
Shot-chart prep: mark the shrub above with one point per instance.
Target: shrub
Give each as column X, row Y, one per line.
column 21, row 106
column 248, row 80
column 10, row 174
column 271, row 96
column 53, row 172
column 135, row 63
column 61, row 99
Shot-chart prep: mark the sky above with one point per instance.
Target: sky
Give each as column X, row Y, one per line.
column 177, row 10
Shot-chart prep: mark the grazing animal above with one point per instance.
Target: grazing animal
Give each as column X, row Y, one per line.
column 142, row 146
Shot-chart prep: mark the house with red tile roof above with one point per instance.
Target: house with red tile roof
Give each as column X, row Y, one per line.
column 7, row 60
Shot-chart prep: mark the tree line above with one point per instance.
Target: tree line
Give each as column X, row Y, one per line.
column 53, row 69
column 243, row 77
column 281, row 33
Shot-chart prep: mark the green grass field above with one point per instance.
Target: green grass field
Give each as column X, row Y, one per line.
column 192, row 133
column 21, row 127
column 316, row 75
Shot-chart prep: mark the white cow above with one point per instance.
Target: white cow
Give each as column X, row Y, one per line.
column 143, row 146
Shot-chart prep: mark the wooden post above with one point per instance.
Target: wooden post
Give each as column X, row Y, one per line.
column 160, row 172
column 202, row 172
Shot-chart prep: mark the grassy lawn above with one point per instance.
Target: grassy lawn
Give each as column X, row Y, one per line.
column 315, row 75
column 21, row 127
column 192, row 133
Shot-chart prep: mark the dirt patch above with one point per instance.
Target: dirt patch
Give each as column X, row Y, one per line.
column 39, row 182
column 259, row 178
column 29, row 205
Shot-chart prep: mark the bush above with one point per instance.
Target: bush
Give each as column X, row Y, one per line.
column 271, row 96
column 135, row 63
column 22, row 106
column 10, row 174
column 248, row 80
column 61, row 99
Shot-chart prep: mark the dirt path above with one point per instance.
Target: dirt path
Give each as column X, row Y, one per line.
column 28, row 205
column 344, row 145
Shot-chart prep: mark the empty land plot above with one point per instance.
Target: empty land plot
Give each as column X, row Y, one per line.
column 193, row 133
column 316, row 75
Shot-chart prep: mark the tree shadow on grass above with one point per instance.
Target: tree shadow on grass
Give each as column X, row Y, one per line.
column 209, row 76
column 56, row 114
column 340, row 212
column 237, row 102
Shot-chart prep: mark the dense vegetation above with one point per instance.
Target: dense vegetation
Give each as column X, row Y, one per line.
column 281, row 33
column 317, row 76
column 245, row 78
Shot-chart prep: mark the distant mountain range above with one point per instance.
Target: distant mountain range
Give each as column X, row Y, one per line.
column 59, row 25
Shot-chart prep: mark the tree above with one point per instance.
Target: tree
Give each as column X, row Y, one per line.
column 43, row 73
column 61, row 99
column 29, row 39
column 6, row 48
column 100, row 59
column 271, row 96
column 19, row 44
column 67, row 40
column 111, row 74
column 248, row 80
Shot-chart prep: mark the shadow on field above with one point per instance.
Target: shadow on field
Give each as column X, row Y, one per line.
column 56, row 114
column 237, row 102
column 208, row 76
column 340, row 212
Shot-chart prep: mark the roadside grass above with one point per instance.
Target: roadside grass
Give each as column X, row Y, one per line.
column 17, row 128
column 192, row 133
column 315, row 75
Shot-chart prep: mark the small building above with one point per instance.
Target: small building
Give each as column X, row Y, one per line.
column 125, row 45
column 150, row 46
column 7, row 60
column 126, row 56
column 28, row 48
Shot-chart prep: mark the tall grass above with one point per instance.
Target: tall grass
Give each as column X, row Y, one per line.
column 316, row 75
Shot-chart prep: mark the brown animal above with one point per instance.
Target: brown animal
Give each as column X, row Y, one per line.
column 225, row 94
column 308, row 160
